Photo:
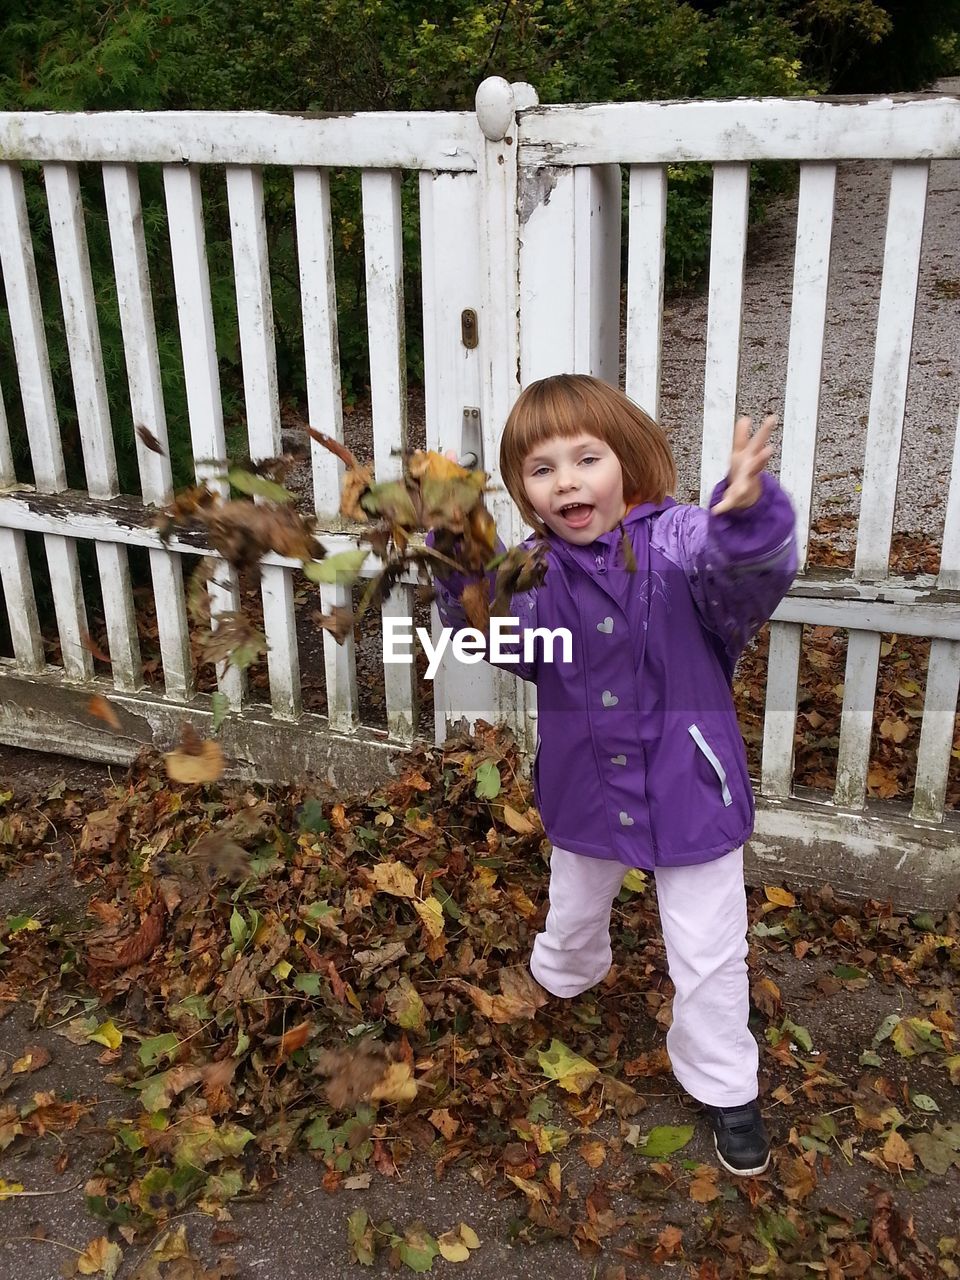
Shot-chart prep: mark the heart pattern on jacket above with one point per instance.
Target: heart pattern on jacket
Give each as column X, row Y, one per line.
column 618, row 759
column 609, row 699
column 625, row 819
column 606, row 626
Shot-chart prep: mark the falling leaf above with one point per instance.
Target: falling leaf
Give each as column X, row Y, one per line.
column 99, row 707
column 258, row 486
column 9, row 1189
column 204, row 763
column 341, row 569
column 149, row 439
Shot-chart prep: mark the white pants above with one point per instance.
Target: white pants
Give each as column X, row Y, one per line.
column 703, row 913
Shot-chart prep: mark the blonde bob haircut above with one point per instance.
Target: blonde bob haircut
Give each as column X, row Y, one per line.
column 571, row 404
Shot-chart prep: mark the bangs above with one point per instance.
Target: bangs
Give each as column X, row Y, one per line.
column 570, row 404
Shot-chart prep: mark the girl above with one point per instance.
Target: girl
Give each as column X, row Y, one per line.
column 640, row 761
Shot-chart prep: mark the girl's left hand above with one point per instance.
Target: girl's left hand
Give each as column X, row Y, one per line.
column 749, row 457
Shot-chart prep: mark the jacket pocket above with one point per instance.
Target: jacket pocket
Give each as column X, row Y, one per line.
column 714, row 762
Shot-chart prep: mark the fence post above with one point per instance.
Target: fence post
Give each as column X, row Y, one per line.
column 498, row 318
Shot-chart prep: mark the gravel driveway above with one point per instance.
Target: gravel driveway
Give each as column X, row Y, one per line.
column 852, row 306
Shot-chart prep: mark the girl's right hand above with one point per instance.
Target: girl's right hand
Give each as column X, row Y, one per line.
column 747, row 461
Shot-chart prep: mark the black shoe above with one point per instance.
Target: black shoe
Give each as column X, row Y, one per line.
column 740, row 1138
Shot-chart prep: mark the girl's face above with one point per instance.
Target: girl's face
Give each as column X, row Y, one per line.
column 575, row 485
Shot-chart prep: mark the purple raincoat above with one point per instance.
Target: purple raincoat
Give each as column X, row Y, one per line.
column 639, row 753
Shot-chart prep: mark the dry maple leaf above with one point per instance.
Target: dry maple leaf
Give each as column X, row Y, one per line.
column 135, row 949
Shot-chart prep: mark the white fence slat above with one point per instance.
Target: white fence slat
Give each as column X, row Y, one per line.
column 201, row 375
column 780, row 709
column 339, row 664
column 891, row 366
column 318, row 294
column 248, row 230
column 29, row 339
column 450, row 276
column 40, row 414
column 370, row 139
column 93, row 414
column 121, row 187
column 744, row 129
column 645, row 261
column 400, row 678
column 943, row 673
column 801, row 407
column 67, row 590
column 383, row 256
column 173, row 632
column 21, row 604
column 548, row 298
column 898, row 293
column 135, row 303
column 81, row 327
column 936, row 730
column 856, row 718
column 383, row 251
column 597, row 211
column 728, row 248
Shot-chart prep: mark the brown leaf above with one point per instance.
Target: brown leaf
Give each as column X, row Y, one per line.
column 475, row 599
column 33, row 1058
column 135, row 949
column 294, row 1039
column 705, row 1185
column 149, row 439
column 203, row 764
column 101, row 709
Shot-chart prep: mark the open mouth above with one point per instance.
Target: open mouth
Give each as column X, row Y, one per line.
column 576, row 514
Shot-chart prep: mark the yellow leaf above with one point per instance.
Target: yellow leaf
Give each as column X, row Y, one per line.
column 100, row 1255
column 779, row 897
column 469, row 1236
column 897, row 1152
column 172, row 1245
column 107, row 1034
column 395, row 878
column 8, row 1189
column 517, row 822
column 571, row 1072
column 635, row 881
column 431, row 913
column 204, row 765
column 452, row 1247
column 396, row 1085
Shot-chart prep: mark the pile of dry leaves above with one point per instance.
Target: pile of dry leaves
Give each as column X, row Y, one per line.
column 271, row 968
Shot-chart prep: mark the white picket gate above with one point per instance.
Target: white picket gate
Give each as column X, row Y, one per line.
column 520, row 224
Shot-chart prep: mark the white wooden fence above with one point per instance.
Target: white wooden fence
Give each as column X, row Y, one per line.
column 520, row 217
